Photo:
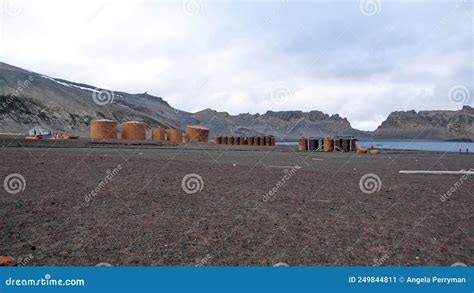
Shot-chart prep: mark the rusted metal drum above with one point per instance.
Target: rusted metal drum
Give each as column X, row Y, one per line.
column 303, row 144
column 242, row 140
column 224, row 139
column 261, row 140
column 230, row 140
column 268, row 141
column 255, row 140
column 328, row 144
column 312, row 144
column 217, row 139
column 246, row 140
column 272, row 140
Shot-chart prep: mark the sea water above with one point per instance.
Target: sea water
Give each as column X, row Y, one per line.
column 416, row 145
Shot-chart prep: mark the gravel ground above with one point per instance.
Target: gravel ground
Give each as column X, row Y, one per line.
column 317, row 213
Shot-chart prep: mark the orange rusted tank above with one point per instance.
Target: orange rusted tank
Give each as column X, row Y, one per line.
column 217, row 139
column 158, row 134
column 197, row 133
column 134, row 130
column 174, row 135
column 303, row 144
column 224, row 139
column 328, row 144
column 103, row 129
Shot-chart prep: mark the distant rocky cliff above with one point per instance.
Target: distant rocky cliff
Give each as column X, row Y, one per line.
column 283, row 124
column 428, row 125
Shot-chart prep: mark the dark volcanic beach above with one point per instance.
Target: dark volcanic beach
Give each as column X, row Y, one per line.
column 241, row 213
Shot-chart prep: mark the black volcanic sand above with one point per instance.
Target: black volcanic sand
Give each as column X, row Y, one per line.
column 319, row 217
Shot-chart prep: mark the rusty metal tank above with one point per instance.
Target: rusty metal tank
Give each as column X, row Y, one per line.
column 158, row 134
column 328, row 144
column 197, row 133
column 224, row 139
column 303, row 144
column 174, row 135
column 134, row 130
column 103, row 129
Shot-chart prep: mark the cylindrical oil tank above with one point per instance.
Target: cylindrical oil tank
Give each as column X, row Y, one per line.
column 303, row 144
column 353, row 144
column 230, row 140
column 312, row 144
column 267, row 141
column 224, row 139
column 254, row 140
column 175, row 135
column 217, row 139
column 197, row 133
column 250, row 140
column 272, row 140
column 346, row 144
column 242, row 140
column 236, row 140
column 262, row 141
column 135, row 130
column 328, row 144
column 158, row 134
column 246, row 140
column 103, row 129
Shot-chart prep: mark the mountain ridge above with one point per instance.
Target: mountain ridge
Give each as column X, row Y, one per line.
column 68, row 106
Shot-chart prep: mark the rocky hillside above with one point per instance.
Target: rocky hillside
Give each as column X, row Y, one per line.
column 28, row 99
column 428, row 125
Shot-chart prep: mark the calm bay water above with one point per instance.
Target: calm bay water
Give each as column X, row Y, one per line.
column 441, row 146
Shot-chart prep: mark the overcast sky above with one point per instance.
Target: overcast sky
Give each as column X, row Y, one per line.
column 360, row 59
